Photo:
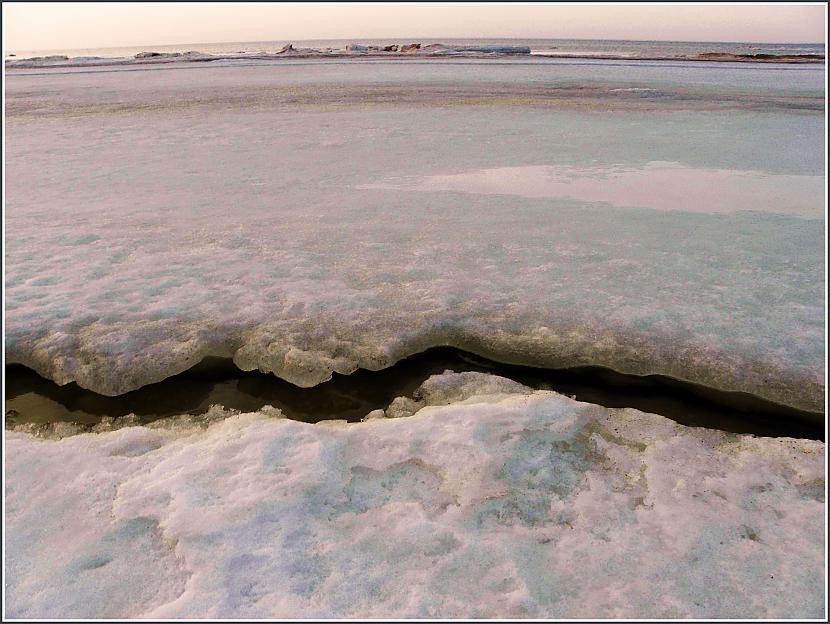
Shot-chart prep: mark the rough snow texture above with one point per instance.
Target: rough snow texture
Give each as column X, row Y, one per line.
column 159, row 215
column 505, row 503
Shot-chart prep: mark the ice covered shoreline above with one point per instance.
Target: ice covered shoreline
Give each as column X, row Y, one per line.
column 392, row 52
column 491, row 501
column 354, row 51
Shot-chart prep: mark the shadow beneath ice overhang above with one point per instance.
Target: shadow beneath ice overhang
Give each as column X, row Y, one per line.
column 32, row 399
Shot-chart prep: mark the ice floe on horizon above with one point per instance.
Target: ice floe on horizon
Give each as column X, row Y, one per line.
column 350, row 50
column 359, row 50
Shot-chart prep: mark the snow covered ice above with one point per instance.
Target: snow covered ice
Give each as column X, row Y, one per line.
column 305, row 217
column 491, row 501
column 161, row 215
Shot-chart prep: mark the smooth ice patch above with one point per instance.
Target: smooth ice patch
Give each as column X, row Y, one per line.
column 657, row 185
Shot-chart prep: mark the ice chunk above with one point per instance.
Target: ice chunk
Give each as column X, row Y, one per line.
column 144, row 55
column 452, row 388
column 492, row 49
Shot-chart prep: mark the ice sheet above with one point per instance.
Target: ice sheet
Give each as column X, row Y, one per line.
column 156, row 217
column 491, row 501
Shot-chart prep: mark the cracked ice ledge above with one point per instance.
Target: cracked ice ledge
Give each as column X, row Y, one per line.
column 116, row 359
column 528, row 504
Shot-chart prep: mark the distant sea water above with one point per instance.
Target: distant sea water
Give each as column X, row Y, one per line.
column 575, row 47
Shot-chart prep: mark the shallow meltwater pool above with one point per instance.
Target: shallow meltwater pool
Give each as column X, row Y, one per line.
column 656, row 185
column 31, row 399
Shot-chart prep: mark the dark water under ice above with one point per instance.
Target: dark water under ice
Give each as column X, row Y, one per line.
column 32, row 399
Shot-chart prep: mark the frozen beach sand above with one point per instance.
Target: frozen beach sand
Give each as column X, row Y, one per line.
column 491, row 501
column 161, row 216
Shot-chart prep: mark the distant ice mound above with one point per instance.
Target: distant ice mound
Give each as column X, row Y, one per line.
column 147, row 57
column 185, row 56
column 438, row 48
column 501, row 504
column 288, row 50
column 36, row 61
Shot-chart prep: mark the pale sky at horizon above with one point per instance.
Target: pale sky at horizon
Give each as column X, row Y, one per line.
column 45, row 26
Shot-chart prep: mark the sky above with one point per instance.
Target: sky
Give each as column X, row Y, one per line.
column 45, row 26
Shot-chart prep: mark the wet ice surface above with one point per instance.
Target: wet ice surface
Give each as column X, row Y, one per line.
column 491, row 501
column 656, row 185
column 159, row 216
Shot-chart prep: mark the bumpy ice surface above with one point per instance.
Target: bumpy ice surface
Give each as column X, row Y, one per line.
column 159, row 215
column 491, row 501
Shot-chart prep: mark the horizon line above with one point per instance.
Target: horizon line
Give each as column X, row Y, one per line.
column 357, row 39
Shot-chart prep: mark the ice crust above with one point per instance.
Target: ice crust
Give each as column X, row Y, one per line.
column 491, row 501
column 160, row 216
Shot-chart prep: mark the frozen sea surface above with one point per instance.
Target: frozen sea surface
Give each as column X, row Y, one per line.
column 491, row 501
column 158, row 216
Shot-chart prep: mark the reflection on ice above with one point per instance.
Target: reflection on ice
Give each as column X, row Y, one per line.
column 657, row 185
